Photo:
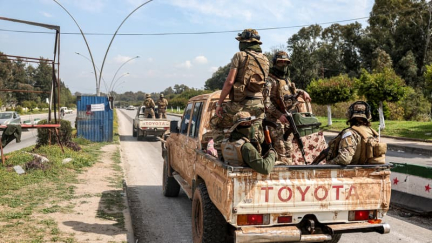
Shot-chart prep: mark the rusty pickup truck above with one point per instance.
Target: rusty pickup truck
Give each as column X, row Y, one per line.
column 301, row 203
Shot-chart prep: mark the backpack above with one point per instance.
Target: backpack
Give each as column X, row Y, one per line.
column 253, row 78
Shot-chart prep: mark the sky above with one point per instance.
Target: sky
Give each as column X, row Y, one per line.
column 164, row 60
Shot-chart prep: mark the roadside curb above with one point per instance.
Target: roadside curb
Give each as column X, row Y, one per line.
column 174, row 114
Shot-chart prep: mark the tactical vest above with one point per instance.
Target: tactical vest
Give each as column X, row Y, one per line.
column 250, row 81
column 148, row 104
column 162, row 103
column 371, row 150
column 231, row 151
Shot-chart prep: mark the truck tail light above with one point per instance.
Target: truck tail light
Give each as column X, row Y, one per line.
column 143, row 128
column 284, row 219
column 166, row 128
column 253, row 219
column 362, row 215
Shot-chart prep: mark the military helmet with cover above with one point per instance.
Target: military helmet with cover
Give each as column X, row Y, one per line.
column 249, row 35
column 359, row 109
column 280, row 56
column 148, row 96
column 161, row 95
column 243, row 118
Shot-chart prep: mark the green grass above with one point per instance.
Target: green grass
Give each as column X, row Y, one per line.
column 175, row 111
column 404, row 129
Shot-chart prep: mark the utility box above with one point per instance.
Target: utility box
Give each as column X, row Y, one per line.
column 94, row 119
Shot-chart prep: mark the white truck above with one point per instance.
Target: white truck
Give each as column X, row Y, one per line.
column 144, row 126
column 301, row 203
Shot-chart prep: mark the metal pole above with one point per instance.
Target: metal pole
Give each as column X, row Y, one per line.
column 113, row 84
column 120, row 68
column 88, row 47
column 112, row 39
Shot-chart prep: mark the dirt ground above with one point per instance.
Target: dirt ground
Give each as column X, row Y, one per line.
column 82, row 222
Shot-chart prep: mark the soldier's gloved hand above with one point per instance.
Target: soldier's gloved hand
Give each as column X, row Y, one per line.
column 283, row 119
column 306, row 96
column 272, row 151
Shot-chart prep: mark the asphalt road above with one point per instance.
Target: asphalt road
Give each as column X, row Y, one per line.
column 28, row 137
column 160, row 219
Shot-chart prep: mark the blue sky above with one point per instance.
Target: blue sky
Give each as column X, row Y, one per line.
column 164, row 60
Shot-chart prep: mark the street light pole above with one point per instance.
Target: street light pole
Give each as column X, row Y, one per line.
column 88, row 47
column 120, row 68
column 105, row 84
column 113, row 84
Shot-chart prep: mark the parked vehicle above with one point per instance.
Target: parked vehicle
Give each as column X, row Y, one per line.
column 65, row 110
column 299, row 203
column 9, row 117
column 131, row 107
column 145, row 126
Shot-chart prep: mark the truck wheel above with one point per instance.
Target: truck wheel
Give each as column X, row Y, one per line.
column 170, row 186
column 134, row 133
column 208, row 224
column 336, row 239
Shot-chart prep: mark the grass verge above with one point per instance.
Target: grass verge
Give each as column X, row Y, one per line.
column 404, row 129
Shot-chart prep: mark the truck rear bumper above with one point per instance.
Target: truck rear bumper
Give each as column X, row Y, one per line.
column 293, row 234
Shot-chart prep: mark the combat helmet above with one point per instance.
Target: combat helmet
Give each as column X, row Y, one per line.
column 148, row 96
column 161, row 95
column 242, row 118
column 249, row 35
column 359, row 109
column 281, row 56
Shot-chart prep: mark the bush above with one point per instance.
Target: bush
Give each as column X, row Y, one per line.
column 180, row 102
column 416, row 106
column 43, row 134
column 19, row 109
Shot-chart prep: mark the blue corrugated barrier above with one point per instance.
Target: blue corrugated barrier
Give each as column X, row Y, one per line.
column 94, row 118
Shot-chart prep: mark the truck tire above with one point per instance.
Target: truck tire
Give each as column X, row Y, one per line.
column 208, row 224
column 170, row 186
column 336, row 238
column 134, row 133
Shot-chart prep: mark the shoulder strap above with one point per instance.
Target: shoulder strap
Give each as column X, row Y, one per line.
column 259, row 65
column 363, row 132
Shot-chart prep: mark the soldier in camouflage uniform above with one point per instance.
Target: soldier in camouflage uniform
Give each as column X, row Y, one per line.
column 348, row 148
column 244, row 84
column 162, row 105
column 251, row 134
column 277, row 86
column 149, row 107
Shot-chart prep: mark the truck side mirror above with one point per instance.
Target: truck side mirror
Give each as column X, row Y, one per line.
column 174, row 127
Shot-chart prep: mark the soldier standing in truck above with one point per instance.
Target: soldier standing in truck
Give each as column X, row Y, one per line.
column 162, row 105
column 246, row 79
column 149, row 107
column 277, row 86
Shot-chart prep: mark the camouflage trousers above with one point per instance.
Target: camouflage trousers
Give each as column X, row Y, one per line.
column 149, row 111
column 162, row 113
column 219, row 124
column 283, row 147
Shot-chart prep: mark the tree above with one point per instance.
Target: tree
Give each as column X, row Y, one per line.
column 217, row 80
column 428, row 82
column 380, row 87
column 331, row 91
column 304, row 68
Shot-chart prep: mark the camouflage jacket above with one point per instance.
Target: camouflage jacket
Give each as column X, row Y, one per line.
column 162, row 103
column 270, row 95
column 349, row 147
column 149, row 103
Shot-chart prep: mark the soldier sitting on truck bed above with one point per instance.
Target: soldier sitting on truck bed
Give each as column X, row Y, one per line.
column 358, row 144
column 149, row 107
column 243, row 147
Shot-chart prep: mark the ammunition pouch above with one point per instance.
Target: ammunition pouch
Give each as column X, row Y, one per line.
column 231, row 152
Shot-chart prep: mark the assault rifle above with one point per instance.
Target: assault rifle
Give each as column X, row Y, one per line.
column 266, row 123
column 281, row 105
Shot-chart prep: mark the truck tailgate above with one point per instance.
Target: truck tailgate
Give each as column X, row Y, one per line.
column 300, row 192
column 154, row 123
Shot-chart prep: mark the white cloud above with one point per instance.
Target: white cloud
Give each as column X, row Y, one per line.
column 213, row 69
column 186, row 64
column 149, row 59
column 123, row 59
column 46, row 14
column 201, row 60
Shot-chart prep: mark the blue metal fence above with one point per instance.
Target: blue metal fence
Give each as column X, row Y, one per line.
column 94, row 118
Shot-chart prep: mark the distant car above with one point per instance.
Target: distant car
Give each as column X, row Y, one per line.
column 131, row 107
column 65, row 110
column 9, row 117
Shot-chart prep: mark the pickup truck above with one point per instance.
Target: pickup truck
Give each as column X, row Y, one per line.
column 299, row 203
column 144, row 126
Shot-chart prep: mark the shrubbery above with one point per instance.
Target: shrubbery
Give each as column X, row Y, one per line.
column 43, row 135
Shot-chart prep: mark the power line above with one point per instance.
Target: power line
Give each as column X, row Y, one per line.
column 183, row 33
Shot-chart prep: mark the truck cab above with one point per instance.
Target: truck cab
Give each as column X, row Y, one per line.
column 299, row 203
